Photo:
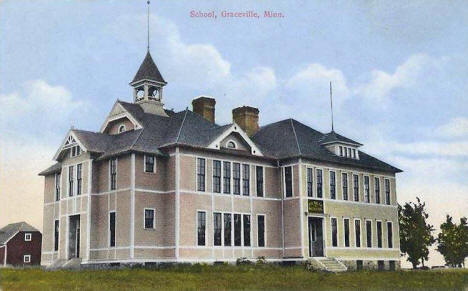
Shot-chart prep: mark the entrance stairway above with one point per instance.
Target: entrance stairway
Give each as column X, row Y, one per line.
column 327, row 264
column 72, row 264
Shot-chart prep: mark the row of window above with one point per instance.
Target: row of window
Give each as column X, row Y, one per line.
column 348, row 152
column 345, row 183
column 357, row 233
column 231, row 229
column 230, row 177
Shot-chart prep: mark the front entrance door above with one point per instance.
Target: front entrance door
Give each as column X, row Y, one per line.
column 74, row 237
column 315, row 237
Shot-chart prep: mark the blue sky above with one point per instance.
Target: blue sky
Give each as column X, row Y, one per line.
column 399, row 72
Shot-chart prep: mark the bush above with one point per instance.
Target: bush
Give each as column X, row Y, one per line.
column 243, row 261
column 261, row 260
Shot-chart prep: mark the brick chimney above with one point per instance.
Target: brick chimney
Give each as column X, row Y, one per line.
column 247, row 118
column 205, row 106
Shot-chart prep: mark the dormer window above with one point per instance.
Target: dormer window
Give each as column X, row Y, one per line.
column 122, row 128
column 75, row 151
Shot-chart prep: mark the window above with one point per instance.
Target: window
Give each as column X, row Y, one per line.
column 259, row 173
column 334, row 232
column 75, row 151
column 310, row 182
column 149, row 218
column 344, row 178
column 112, row 229
column 56, row 234
column 369, row 233
column 79, row 179
column 366, row 189
column 332, row 185
column 387, row 191
column 319, row 183
column 227, row 229
column 288, row 181
column 356, row 187
column 113, row 174
column 217, row 228
column 379, row 234
column 27, row 259
column 359, row 265
column 354, row 153
column 201, row 169
column 27, row 237
column 261, row 230
column 380, row 265
column 149, row 163
column 236, row 178
column 357, row 233
column 122, row 128
column 390, row 234
column 246, row 180
column 346, row 232
column 341, row 151
column 377, row 190
column 237, row 230
column 231, row 145
column 246, row 230
column 217, row 176
column 349, row 152
column 70, row 180
column 226, row 177
column 57, row 186
column 201, row 227
column 391, row 265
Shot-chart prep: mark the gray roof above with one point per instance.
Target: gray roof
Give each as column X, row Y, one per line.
column 280, row 140
column 55, row 168
column 7, row 232
column 148, row 70
column 333, row 137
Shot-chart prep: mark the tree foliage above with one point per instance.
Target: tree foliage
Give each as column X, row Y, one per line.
column 453, row 241
column 415, row 233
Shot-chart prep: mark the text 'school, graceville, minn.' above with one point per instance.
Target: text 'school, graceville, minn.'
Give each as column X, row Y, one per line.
column 236, row 14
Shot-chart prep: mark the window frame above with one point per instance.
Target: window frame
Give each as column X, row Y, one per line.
column 215, row 233
column 79, row 179
column 122, row 128
column 310, row 181
column 236, row 181
column 56, row 235
column 245, row 179
column 355, row 233
column 26, row 259
column 244, row 239
column 388, row 192
column 334, row 235
column 343, row 184
column 112, row 244
column 58, row 186
column 317, row 171
column 286, row 182
column 241, row 230
column 262, row 181
column 226, row 179
column 217, row 178
column 377, row 233
column 224, row 233
column 369, row 245
column 197, row 229
column 112, row 185
column 377, row 189
column 154, row 219
column 264, row 230
column 330, row 184
column 344, row 232
column 71, row 181
column 356, row 194
column 390, row 235
column 145, row 169
column 27, row 236
column 199, row 175
column 367, row 198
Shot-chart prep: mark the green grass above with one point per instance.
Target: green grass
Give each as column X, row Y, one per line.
column 253, row 277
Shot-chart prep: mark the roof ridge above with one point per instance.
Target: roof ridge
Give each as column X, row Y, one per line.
column 295, row 136
column 182, row 124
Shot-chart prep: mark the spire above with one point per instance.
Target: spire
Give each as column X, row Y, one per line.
column 331, row 106
column 148, row 23
column 148, row 71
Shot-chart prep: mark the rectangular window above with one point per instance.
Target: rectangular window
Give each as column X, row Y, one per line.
column 112, row 229
column 149, row 218
column 366, row 189
column 356, row 187
column 377, row 190
column 201, row 227
column 332, row 185
column 310, row 182
column 113, row 174
column 334, row 232
column 217, row 228
column 226, row 177
column 246, row 230
column 75, row 151
column 217, row 176
column 369, row 233
column 57, row 186
column 27, row 237
column 354, row 153
column 341, row 151
column 259, row 174
column 27, row 259
column 379, row 234
column 237, row 230
column 236, row 175
column 201, row 170
column 346, row 232
column 261, row 230
column 390, row 234
column 344, row 178
column 227, row 229
column 71, row 184
column 246, row 179
column 357, row 233
column 349, row 152
column 387, row 191
column 149, row 163
column 319, row 183
column 56, row 234
column 79, row 179
column 288, row 181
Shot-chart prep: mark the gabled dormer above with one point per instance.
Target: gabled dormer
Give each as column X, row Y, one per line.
column 341, row 146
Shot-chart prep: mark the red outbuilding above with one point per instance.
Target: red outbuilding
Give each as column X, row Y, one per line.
column 20, row 245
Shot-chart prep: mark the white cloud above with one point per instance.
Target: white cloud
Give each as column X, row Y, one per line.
column 456, row 127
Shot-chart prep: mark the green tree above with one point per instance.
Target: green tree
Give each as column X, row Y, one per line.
column 453, row 241
column 415, row 233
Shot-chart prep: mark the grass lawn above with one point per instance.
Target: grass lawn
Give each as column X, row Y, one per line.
column 254, row 277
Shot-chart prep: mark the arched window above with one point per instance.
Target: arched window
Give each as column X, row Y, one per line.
column 122, row 128
column 231, row 144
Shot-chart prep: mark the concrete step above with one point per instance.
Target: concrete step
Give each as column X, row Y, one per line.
column 72, row 264
column 330, row 265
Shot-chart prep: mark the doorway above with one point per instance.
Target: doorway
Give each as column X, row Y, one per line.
column 315, row 237
column 74, row 237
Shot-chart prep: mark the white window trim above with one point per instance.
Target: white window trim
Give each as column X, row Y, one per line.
column 122, row 128
column 329, row 185
column 377, row 234
column 263, row 174
column 307, row 181
column 197, row 225
column 380, row 190
column 27, row 259
column 53, row 227
column 393, row 234
column 389, row 190
column 230, row 177
column 364, row 189
column 154, row 219
column 342, row 185
column 344, row 234
column 284, row 181
column 360, row 233
column 358, row 187
column 196, row 174
column 144, row 164
column 116, row 174
column 109, row 231
column 372, row 235
column 337, row 232
column 264, row 230
column 60, row 187
column 28, row 236
column 316, row 183
column 234, row 142
column 250, row 180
